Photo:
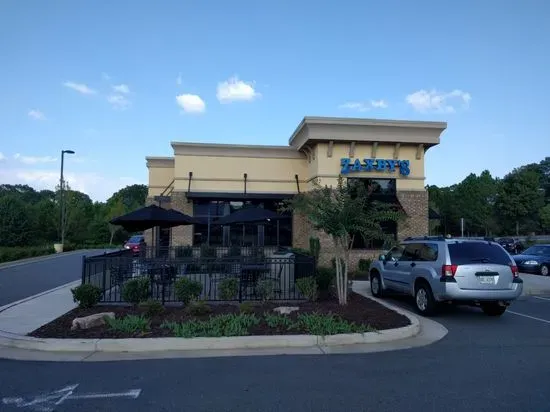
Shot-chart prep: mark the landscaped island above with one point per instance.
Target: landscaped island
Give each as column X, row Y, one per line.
column 324, row 317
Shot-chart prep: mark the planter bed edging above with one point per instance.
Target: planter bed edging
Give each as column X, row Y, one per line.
column 179, row 344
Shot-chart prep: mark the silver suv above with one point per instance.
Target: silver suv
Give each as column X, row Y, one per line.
column 455, row 270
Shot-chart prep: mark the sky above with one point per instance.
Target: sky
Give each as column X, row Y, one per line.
column 118, row 81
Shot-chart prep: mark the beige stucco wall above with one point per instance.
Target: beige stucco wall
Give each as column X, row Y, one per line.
column 161, row 175
column 226, row 174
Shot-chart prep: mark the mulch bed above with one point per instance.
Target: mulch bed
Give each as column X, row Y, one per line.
column 360, row 309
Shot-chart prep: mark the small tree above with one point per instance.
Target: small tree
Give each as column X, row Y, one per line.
column 343, row 212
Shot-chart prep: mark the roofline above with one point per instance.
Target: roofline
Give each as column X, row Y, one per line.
column 235, row 150
column 227, row 145
column 357, row 121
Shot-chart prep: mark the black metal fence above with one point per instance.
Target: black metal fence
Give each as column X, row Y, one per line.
column 206, row 251
column 257, row 275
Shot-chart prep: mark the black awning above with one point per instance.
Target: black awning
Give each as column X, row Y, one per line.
column 239, row 196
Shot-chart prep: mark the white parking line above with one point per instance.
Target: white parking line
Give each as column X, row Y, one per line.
column 541, row 298
column 530, row 317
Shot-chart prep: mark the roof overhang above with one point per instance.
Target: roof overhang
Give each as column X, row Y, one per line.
column 235, row 150
column 159, row 162
column 338, row 129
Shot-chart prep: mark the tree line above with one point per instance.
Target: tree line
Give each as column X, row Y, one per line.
column 32, row 218
column 517, row 204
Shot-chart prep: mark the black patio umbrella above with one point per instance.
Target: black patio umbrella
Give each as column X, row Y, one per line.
column 152, row 216
column 249, row 215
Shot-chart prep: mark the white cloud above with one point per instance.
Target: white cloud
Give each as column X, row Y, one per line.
column 179, row 80
column 33, row 160
column 364, row 106
column 2, row 156
column 121, row 88
column 233, row 90
column 98, row 187
column 119, row 101
column 191, row 103
column 437, row 101
column 36, row 115
column 79, row 87
column 380, row 104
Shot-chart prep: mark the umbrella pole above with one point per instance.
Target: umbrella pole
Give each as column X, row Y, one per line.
column 208, row 231
column 277, row 233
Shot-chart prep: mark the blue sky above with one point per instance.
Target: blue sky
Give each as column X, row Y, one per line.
column 103, row 79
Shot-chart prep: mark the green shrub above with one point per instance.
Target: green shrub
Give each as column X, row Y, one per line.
column 215, row 327
column 229, row 288
column 246, row 307
column 183, row 251
column 187, row 290
column 129, row 324
column 10, row 254
column 136, row 291
column 324, row 278
column 152, row 307
column 315, row 247
column 266, row 289
column 198, row 308
column 323, row 324
column 300, row 251
column 308, row 287
column 276, row 320
column 86, row 295
column 364, row 265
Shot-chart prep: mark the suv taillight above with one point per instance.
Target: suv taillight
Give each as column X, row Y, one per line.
column 515, row 270
column 448, row 270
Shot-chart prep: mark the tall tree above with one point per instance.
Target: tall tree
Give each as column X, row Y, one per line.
column 342, row 213
column 519, row 199
column 15, row 221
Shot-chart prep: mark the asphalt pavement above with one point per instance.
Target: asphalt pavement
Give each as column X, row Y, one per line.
column 484, row 363
column 24, row 279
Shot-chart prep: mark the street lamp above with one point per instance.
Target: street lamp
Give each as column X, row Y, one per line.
column 62, row 195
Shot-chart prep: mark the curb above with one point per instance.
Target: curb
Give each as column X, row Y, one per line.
column 12, row 340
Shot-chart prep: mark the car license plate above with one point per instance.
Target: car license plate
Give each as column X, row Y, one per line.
column 487, row 280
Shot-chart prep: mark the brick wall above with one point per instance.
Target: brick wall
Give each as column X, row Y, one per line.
column 182, row 235
column 415, row 204
column 148, row 234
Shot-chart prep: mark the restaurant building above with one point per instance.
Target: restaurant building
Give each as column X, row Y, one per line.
column 212, row 180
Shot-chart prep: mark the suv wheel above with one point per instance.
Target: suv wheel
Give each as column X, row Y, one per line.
column 424, row 299
column 376, row 285
column 544, row 270
column 493, row 309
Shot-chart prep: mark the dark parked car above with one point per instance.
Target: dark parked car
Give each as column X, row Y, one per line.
column 511, row 245
column 535, row 259
column 135, row 243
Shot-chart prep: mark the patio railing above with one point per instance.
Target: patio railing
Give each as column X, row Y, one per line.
column 205, row 251
column 258, row 275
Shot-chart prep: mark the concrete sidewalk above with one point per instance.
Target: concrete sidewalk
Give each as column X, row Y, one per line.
column 535, row 284
column 26, row 315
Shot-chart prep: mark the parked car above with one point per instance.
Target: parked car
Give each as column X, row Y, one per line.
column 456, row 270
column 535, row 259
column 135, row 243
column 511, row 245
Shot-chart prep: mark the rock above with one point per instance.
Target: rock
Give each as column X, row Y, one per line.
column 91, row 321
column 285, row 310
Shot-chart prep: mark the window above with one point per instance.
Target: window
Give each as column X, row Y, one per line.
column 464, row 253
column 420, row 252
column 538, row 250
column 394, row 254
column 248, row 234
column 383, row 190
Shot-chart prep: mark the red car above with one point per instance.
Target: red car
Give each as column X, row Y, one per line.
column 135, row 243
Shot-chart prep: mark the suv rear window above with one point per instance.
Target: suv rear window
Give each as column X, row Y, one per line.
column 135, row 239
column 464, row 253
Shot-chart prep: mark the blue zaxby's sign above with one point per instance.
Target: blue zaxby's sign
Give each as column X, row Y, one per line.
column 374, row 165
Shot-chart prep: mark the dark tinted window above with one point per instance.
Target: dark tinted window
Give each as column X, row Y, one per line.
column 420, row 252
column 135, row 239
column 538, row 250
column 464, row 253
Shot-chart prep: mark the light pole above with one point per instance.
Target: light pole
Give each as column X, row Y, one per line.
column 62, row 196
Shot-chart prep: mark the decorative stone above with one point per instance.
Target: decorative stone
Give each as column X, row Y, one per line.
column 91, row 321
column 285, row 310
